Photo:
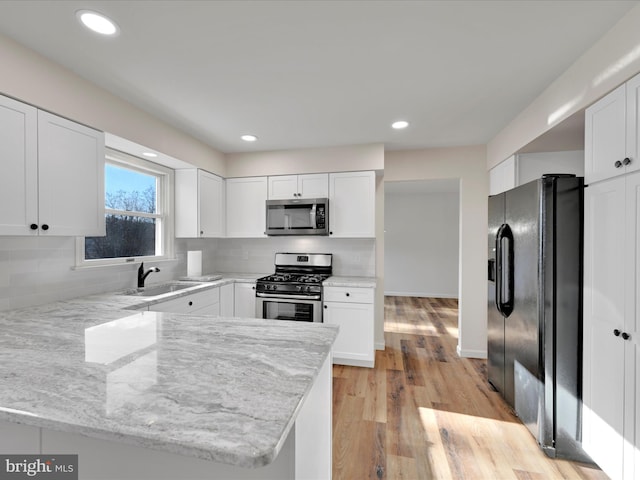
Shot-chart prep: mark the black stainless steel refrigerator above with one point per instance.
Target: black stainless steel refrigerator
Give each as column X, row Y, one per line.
column 535, row 308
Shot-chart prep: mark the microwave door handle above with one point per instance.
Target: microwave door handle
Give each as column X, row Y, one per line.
column 314, row 218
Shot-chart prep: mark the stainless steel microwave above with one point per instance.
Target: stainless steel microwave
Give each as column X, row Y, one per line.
column 300, row 216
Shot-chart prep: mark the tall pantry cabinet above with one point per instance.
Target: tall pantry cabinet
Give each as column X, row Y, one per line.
column 611, row 389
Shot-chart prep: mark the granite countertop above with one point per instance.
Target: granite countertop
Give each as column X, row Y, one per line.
column 225, row 389
column 226, row 277
column 338, row 281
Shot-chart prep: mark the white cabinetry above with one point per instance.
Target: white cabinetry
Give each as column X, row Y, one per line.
column 244, row 300
column 199, row 204
column 282, row 187
column 246, row 211
column 206, row 302
column 502, row 177
column 611, row 434
column 19, row 167
column 52, row 180
column 611, row 133
column 351, row 308
column 226, row 300
column 352, row 204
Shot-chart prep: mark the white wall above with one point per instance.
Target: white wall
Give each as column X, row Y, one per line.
column 421, row 244
column 312, row 160
column 468, row 164
column 531, row 166
column 32, row 78
column 610, row 62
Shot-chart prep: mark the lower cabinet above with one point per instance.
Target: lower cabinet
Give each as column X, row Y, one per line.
column 352, row 310
column 244, row 300
column 206, row 302
column 226, row 300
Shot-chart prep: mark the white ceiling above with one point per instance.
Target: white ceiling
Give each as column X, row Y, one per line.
column 302, row 74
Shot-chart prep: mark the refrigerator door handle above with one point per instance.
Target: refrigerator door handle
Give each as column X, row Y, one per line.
column 504, row 274
column 499, row 276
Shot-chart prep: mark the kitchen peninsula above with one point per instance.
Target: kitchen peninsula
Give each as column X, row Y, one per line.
column 140, row 394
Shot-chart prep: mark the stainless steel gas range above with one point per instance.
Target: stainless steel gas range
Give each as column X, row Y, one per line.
column 294, row 291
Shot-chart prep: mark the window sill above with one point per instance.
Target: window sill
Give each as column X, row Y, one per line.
column 137, row 261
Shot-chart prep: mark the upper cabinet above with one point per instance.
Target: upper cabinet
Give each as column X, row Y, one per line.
column 502, row 177
column 352, row 204
column 246, row 211
column 200, row 204
column 52, row 180
column 611, row 133
column 282, row 187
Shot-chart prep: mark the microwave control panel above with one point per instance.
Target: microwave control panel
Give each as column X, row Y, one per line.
column 320, row 216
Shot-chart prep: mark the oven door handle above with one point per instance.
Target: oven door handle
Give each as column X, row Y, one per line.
column 287, row 297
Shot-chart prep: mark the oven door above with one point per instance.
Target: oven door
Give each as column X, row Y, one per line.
column 295, row 308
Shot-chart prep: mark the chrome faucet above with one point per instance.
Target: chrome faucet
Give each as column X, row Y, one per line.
column 142, row 275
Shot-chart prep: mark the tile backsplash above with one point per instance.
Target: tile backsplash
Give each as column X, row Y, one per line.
column 37, row 270
column 351, row 257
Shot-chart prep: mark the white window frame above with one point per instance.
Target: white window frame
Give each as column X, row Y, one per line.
column 164, row 214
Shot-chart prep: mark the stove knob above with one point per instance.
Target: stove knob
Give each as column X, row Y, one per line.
column 274, row 287
column 299, row 288
column 308, row 289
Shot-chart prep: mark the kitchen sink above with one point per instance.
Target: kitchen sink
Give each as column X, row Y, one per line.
column 161, row 289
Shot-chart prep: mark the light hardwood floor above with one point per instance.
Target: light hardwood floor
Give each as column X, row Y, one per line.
column 423, row 412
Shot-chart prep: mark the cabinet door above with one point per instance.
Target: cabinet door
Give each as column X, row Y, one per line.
column 632, row 328
column 354, row 344
column 226, row 300
column 352, row 204
column 71, row 178
column 605, row 136
column 187, row 223
column 313, row 185
column 211, row 203
column 604, row 304
column 19, row 160
column 246, row 208
column 282, row 187
column 633, row 124
column 244, row 300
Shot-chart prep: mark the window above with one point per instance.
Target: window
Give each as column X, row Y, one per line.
column 137, row 211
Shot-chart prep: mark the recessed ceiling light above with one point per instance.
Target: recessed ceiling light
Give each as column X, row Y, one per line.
column 97, row 22
column 400, row 124
column 150, row 154
column 249, row 138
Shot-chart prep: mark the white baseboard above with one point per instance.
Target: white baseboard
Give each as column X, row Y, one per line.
column 465, row 353
column 420, row 294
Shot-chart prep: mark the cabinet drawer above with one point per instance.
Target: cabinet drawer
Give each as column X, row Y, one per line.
column 188, row 303
column 348, row 294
